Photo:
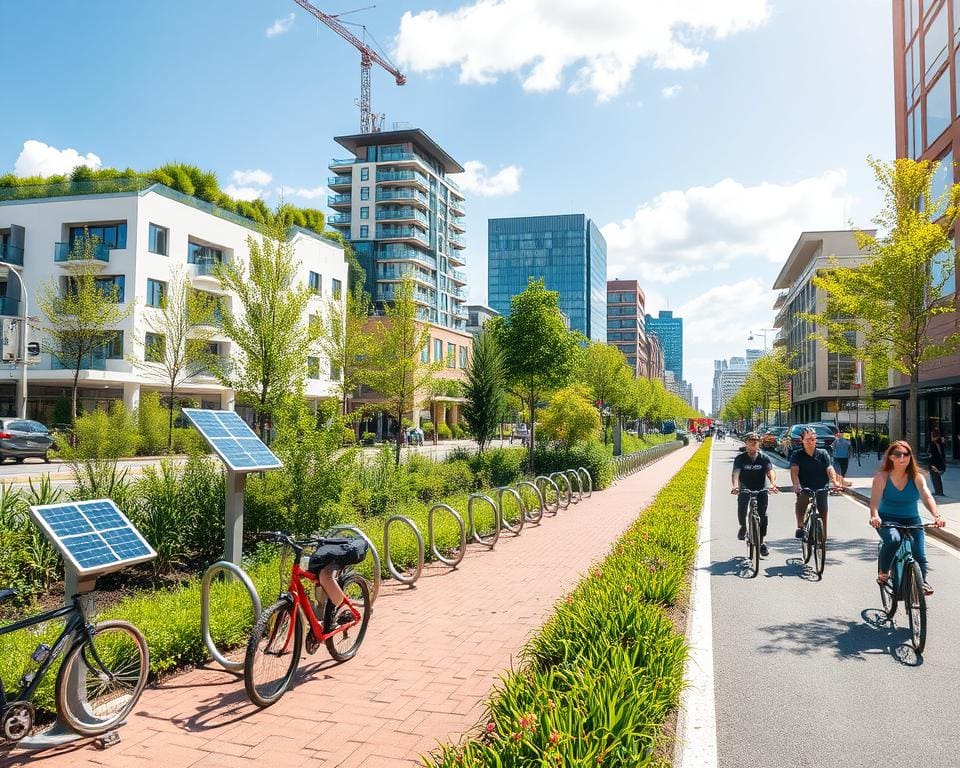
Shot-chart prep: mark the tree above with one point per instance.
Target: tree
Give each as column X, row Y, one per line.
column 345, row 341
column 570, row 417
column 268, row 328
column 181, row 328
column 539, row 353
column 81, row 313
column 394, row 367
column 484, row 389
column 895, row 297
column 606, row 374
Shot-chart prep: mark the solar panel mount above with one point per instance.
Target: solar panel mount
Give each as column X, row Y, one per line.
column 234, row 442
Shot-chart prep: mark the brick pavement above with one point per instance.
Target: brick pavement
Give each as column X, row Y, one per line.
column 427, row 665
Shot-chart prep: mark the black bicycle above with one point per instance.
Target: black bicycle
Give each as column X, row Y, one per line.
column 753, row 531
column 814, row 540
column 905, row 584
column 103, row 673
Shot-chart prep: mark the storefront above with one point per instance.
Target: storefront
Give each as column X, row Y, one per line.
column 939, row 409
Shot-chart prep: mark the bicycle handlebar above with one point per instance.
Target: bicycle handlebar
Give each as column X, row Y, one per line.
column 748, row 492
column 911, row 526
column 812, row 492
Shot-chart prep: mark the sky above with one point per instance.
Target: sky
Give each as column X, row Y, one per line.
column 701, row 136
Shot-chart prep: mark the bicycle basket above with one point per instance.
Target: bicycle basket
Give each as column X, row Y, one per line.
column 339, row 552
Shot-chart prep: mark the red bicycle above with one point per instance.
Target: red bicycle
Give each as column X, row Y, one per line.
column 278, row 634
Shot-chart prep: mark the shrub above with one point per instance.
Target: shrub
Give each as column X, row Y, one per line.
column 101, row 435
column 188, row 440
column 570, row 418
column 443, row 432
column 154, row 422
column 592, row 456
column 427, row 428
column 349, row 436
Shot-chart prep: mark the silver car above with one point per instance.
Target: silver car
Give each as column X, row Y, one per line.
column 22, row 438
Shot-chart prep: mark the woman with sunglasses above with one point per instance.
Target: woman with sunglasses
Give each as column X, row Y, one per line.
column 897, row 489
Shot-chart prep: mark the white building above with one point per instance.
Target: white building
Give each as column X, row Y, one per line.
column 148, row 236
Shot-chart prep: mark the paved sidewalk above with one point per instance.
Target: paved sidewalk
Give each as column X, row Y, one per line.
column 421, row 677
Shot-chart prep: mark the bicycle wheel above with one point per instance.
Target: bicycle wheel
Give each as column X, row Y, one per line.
column 916, row 607
column 272, row 653
column 805, row 542
column 754, row 548
column 102, row 678
column 344, row 645
column 819, row 547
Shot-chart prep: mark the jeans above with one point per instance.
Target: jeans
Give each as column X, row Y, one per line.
column 891, row 537
column 743, row 500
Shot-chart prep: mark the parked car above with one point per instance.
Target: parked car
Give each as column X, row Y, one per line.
column 22, row 438
column 770, row 440
column 790, row 440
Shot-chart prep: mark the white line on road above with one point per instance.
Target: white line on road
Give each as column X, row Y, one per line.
column 696, row 745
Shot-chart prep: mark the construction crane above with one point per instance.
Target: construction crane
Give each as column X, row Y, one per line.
column 369, row 120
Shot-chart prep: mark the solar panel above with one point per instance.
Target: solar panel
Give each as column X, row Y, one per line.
column 94, row 536
column 233, row 440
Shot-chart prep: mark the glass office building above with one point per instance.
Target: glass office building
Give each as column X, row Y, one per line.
column 669, row 330
column 567, row 251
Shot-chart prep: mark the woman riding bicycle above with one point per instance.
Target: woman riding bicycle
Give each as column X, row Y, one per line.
column 897, row 489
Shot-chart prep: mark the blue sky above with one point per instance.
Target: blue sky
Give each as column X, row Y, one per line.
column 701, row 135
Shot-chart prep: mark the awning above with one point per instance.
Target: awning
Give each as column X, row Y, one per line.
column 931, row 387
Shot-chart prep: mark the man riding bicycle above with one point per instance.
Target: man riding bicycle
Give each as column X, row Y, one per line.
column 751, row 470
column 811, row 467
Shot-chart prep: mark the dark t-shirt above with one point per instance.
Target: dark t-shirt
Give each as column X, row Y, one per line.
column 752, row 471
column 813, row 469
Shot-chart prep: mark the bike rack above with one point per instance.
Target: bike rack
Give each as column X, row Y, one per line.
column 571, row 475
column 491, row 541
column 551, row 508
column 585, row 475
column 563, row 497
column 461, row 551
column 375, row 589
column 219, row 567
column 514, row 528
column 529, row 514
column 403, row 579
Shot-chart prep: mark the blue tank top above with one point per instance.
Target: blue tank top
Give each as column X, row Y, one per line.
column 900, row 505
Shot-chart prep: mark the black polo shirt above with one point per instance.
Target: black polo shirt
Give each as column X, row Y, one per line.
column 813, row 469
column 753, row 472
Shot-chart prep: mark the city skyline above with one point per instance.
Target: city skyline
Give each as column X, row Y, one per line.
column 701, row 211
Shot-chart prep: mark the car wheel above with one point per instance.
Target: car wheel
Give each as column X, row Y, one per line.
column 18, row 459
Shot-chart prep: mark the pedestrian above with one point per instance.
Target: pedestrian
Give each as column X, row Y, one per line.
column 841, row 454
column 938, row 462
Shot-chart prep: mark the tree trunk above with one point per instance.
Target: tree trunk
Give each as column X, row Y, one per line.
column 533, row 419
column 170, row 424
column 913, row 426
column 73, row 396
column 400, row 436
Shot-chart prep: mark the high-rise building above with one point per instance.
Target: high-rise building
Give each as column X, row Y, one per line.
column 567, row 251
column 752, row 356
column 728, row 378
column 625, row 323
column 404, row 217
column 718, row 367
column 669, row 330
column 654, row 358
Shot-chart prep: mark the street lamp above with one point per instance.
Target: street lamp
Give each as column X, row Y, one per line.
column 761, row 332
column 5, row 272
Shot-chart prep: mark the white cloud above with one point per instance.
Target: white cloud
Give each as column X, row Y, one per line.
column 311, row 193
column 670, row 91
column 244, row 193
column 256, row 177
column 478, row 181
column 681, row 232
column 39, row 159
column 538, row 41
column 280, row 25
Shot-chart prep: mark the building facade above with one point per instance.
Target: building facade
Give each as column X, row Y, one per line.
column 823, row 379
column 146, row 239
column 654, row 358
column 626, row 307
column 669, row 330
column 728, row 377
column 567, row 251
column 477, row 315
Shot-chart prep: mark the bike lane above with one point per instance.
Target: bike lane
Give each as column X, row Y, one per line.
column 427, row 665
column 806, row 672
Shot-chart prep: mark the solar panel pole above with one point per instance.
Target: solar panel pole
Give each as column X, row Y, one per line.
column 233, row 521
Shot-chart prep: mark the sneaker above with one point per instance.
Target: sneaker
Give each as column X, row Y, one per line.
column 763, row 550
column 799, row 533
column 927, row 589
column 742, row 533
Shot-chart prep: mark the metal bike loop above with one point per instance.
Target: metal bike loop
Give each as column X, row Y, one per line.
column 529, row 515
column 585, row 476
column 219, row 567
column 563, row 497
column 571, row 475
column 461, row 551
column 550, row 507
column 375, row 589
column 402, row 578
column 491, row 541
column 514, row 528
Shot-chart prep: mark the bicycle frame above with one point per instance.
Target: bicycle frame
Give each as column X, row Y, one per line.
column 902, row 558
column 298, row 595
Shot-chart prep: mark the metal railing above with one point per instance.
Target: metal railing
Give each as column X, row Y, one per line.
column 634, row 462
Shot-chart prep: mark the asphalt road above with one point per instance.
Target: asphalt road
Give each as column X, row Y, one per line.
column 806, row 673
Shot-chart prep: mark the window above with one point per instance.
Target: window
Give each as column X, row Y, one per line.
column 158, row 239
column 365, row 174
column 425, row 354
column 110, row 235
column 937, row 105
column 337, row 288
column 111, row 287
column 114, row 347
column 203, row 254
column 935, row 44
column 154, row 347
column 364, row 231
column 313, row 368
column 364, row 212
column 364, row 193
column 156, row 290
column 451, row 355
column 943, row 277
column 463, row 357
column 437, row 350
column 941, row 182
column 315, row 281
column 334, row 372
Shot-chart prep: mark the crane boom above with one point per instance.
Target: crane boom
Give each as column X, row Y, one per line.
column 368, row 56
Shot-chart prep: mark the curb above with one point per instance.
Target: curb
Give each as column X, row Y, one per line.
column 943, row 534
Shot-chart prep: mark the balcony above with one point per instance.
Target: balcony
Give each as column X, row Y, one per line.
column 9, row 307
column 781, row 298
column 339, row 201
column 339, row 181
column 204, row 273
column 339, row 220
column 456, row 242
column 403, row 157
column 457, row 205
column 394, row 272
column 406, row 253
column 391, row 177
column 63, row 253
column 96, row 361
column 456, row 224
column 392, row 232
column 341, row 163
column 407, row 214
column 458, row 292
column 402, row 195
column 420, row 295
column 457, row 276
column 457, row 258
column 11, row 254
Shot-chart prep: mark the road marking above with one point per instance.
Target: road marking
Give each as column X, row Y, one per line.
column 696, row 745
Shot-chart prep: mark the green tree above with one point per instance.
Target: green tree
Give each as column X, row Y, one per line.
column 267, row 324
column 344, row 340
column 607, row 376
column 898, row 297
column 394, row 367
column 570, row 417
column 484, row 389
column 81, row 312
column 181, row 329
column 540, row 355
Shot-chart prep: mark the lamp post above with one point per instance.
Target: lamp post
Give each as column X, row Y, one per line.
column 5, row 272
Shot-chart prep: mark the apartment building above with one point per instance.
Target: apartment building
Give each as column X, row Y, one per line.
column 626, row 307
column 669, row 330
column 146, row 238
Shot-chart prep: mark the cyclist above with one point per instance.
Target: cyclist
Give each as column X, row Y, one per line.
column 897, row 488
column 751, row 470
column 811, row 467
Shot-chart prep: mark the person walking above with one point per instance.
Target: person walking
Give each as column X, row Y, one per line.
column 841, row 454
column 938, row 462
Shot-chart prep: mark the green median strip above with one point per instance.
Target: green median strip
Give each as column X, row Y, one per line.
column 604, row 674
